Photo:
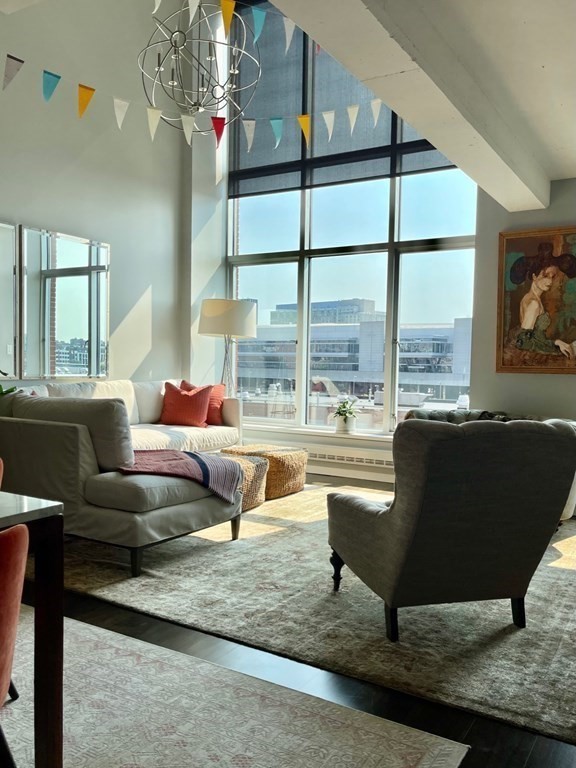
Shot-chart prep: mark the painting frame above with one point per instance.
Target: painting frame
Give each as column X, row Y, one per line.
column 536, row 328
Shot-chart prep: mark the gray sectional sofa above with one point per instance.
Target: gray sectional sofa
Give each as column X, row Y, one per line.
column 67, row 442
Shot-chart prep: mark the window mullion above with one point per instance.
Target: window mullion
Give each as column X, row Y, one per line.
column 302, row 340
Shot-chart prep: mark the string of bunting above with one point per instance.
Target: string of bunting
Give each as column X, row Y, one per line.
column 85, row 93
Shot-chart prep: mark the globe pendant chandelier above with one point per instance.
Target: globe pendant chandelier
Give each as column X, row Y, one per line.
column 191, row 67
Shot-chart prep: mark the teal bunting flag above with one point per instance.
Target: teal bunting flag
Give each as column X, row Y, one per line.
column 277, row 124
column 49, row 84
column 259, row 17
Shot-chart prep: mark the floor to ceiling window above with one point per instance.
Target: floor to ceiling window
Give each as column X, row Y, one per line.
column 357, row 245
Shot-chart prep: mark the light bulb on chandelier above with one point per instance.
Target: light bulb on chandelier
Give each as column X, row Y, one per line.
column 189, row 67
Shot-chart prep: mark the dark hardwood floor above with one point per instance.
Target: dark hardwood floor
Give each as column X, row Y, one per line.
column 493, row 744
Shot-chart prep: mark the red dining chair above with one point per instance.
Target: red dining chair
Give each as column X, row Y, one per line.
column 12, row 692
column 13, row 553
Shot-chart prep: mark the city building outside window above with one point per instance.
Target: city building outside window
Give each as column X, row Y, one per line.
column 358, row 248
column 65, row 305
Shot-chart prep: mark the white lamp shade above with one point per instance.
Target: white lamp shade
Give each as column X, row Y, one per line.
column 228, row 317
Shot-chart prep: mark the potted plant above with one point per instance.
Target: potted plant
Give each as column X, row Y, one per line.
column 344, row 416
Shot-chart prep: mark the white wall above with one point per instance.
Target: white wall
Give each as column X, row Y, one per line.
column 545, row 395
column 87, row 178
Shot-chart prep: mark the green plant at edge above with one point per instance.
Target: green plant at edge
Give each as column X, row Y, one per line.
column 6, row 391
column 346, row 410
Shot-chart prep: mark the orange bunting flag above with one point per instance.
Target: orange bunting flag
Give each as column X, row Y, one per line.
column 85, row 94
column 227, row 7
column 304, row 121
column 218, row 124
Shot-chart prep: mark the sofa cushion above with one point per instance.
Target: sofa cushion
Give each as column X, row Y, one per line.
column 214, row 415
column 186, row 408
column 150, row 399
column 38, row 389
column 7, row 404
column 98, row 390
column 141, row 493
column 146, row 437
column 107, row 422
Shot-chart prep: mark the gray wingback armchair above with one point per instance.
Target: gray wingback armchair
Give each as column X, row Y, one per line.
column 475, row 507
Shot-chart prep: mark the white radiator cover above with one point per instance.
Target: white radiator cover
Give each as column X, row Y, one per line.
column 326, row 456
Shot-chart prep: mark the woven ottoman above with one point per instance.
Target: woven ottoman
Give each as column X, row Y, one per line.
column 254, row 469
column 286, row 466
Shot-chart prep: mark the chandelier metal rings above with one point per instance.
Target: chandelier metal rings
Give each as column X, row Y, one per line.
column 190, row 67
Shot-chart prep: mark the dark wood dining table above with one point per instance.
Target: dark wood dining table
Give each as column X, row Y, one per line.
column 45, row 524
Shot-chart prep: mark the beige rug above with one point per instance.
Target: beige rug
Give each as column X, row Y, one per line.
column 273, row 589
column 128, row 704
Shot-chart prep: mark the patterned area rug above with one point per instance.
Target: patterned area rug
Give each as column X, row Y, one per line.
column 272, row 589
column 128, row 704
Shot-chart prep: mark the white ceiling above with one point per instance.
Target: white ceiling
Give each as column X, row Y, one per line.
column 490, row 83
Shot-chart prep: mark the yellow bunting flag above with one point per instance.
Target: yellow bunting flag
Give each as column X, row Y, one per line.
column 227, row 7
column 304, row 121
column 85, row 94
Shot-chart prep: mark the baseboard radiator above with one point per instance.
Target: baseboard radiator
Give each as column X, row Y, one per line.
column 364, row 463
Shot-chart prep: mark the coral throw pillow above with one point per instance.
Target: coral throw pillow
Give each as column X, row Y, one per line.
column 217, row 396
column 185, row 408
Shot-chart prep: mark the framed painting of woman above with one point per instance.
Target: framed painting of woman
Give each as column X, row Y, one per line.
column 537, row 301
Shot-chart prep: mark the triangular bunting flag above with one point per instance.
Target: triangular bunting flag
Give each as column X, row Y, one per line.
column 249, row 129
column 11, row 69
column 188, row 127
column 376, row 105
column 156, row 6
column 120, row 109
column 218, row 124
column 259, row 17
column 85, row 94
column 277, row 124
column 227, row 7
column 49, row 84
column 304, row 121
column 329, row 120
column 192, row 7
column 289, row 26
column 352, row 115
column 154, row 116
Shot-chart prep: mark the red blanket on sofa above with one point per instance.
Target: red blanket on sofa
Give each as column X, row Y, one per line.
column 221, row 476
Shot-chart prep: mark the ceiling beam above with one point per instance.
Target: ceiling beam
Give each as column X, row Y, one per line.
column 398, row 50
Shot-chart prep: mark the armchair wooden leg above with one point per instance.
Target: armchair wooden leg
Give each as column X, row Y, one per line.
column 337, row 564
column 235, row 523
column 136, row 561
column 12, row 692
column 391, row 615
column 518, row 612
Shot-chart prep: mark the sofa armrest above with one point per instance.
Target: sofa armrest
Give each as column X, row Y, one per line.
column 47, row 459
column 232, row 412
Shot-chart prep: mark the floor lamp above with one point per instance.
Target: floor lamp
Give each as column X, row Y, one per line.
column 232, row 319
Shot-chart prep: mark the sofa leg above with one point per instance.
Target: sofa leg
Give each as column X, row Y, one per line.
column 391, row 623
column 337, row 563
column 136, row 561
column 235, row 525
column 518, row 612
column 12, row 692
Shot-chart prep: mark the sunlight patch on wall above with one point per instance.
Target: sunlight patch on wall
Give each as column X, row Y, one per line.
column 131, row 341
